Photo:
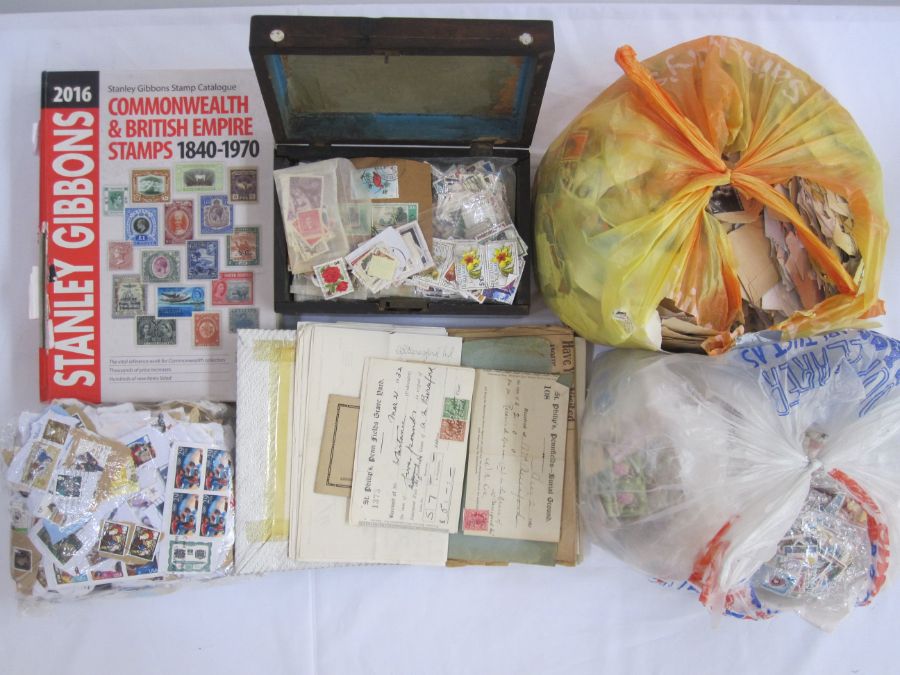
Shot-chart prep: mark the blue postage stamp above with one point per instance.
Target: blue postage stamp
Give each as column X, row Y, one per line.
column 142, row 226
column 242, row 317
column 216, row 215
column 203, row 259
column 175, row 301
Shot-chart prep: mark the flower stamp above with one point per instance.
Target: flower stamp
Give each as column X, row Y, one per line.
column 333, row 278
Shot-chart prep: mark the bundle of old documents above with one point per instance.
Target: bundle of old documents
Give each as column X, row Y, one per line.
column 776, row 273
column 365, row 443
column 379, row 227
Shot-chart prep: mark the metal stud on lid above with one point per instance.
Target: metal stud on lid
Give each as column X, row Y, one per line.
column 277, row 35
column 526, row 39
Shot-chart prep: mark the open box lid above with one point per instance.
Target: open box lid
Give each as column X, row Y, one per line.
column 352, row 80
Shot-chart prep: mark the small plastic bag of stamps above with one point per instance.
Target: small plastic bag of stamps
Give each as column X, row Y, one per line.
column 119, row 497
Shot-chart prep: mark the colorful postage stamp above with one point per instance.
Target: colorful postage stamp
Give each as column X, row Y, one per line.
column 190, row 556
column 243, row 246
column 39, row 466
column 219, row 471
column 379, row 182
column 56, row 432
column 142, row 569
column 160, row 267
column 217, row 215
column 503, row 263
column 142, row 449
column 333, row 278
column 114, row 199
column 242, row 317
column 178, row 217
column 120, row 255
column 114, row 537
column 206, row 329
column 179, row 301
column 203, row 259
column 68, row 485
column 185, row 506
column 212, row 521
column 393, row 215
column 63, row 578
column 233, row 288
column 199, row 177
column 90, row 455
column 141, row 225
column 150, row 185
column 129, row 297
column 244, row 183
column 63, row 549
column 143, row 542
column 21, row 559
column 188, row 468
column 111, row 569
column 155, row 332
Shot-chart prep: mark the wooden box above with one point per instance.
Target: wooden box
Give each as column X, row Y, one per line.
column 410, row 88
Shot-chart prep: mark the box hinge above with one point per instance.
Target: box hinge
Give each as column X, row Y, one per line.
column 481, row 148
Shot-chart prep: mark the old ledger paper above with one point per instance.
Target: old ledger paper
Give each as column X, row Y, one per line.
column 514, row 478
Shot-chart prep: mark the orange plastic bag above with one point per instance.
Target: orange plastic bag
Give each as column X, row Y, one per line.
column 621, row 195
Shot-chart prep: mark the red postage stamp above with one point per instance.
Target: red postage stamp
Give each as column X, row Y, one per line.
column 233, row 288
column 309, row 226
column 206, row 329
column 453, row 430
column 179, row 219
column 476, row 520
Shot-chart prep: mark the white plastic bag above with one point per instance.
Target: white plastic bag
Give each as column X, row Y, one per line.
column 769, row 477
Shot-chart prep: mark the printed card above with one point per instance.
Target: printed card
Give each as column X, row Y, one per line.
column 411, row 444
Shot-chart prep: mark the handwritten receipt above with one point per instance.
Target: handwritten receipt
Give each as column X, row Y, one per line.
column 411, row 445
column 517, row 453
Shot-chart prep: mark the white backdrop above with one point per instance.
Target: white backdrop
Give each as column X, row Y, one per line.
column 598, row 617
